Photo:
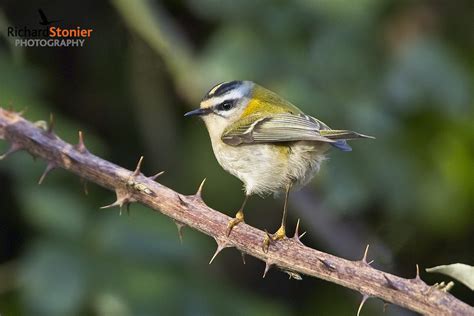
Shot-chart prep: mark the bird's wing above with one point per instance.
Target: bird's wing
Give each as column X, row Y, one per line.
column 282, row 127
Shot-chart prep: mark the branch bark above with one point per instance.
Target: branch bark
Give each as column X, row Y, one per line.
column 289, row 255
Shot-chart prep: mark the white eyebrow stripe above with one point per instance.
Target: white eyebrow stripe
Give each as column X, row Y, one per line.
column 215, row 88
column 232, row 94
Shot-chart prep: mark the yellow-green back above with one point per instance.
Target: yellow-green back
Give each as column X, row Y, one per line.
column 265, row 102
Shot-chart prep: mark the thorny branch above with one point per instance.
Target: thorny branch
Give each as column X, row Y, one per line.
column 289, row 255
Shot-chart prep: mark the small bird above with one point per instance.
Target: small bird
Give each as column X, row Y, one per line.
column 266, row 142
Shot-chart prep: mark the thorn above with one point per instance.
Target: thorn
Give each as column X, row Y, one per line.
column 364, row 257
column 199, row 191
column 268, row 265
column 119, row 203
column 122, row 199
column 392, row 284
column 137, row 169
column 50, row 166
column 297, row 237
column 221, row 245
column 364, row 299
column 81, row 147
column 242, row 254
column 20, row 113
column 84, row 185
column 385, row 305
column 180, row 226
column 417, row 277
column 181, row 201
column 156, row 175
column 328, row 265
column 14, row 147
column 51, row 124
column 127, row 205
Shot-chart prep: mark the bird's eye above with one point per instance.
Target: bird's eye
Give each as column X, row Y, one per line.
column 226, row 105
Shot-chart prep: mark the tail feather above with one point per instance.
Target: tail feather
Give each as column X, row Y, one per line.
column 342, row 145
column 342, row 134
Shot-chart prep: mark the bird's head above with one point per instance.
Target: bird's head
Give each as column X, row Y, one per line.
column 224, row 104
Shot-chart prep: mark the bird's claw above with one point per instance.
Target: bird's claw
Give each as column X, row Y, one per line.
column 280, row 234
column 239, row 218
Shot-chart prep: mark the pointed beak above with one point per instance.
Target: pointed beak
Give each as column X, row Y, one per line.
column 198, row 112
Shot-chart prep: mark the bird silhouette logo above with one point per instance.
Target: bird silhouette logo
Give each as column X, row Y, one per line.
column 44, row 19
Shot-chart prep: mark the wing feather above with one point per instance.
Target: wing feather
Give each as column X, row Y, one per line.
column 284, row 127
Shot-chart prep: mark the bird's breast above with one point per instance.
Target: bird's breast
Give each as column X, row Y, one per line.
column 268, row 168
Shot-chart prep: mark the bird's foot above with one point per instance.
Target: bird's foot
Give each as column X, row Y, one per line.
column 280, row 234
column 239, row 218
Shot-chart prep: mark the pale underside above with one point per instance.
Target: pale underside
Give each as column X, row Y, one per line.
column 270, row 168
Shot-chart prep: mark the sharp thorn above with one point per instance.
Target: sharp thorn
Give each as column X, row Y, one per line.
column 14, row 147
column 199, row 191
column 50, row 166
column 80, row 146
column 218, row 250
column 268, row 265
column 385, row 305
column 220, row 246
column 297, row 234
column 137, row 169
column 156, row 175
column 51, row 124
column 127, row 207
column 417, row 277
column 20, row 113
column 391, row 284
column 118, row 203
column 297, row 237
column 364, row 257
column 364, row 299
column 180, row 226
column 84, row 185
column 181, row 201
column 327, row 264
column 122, row 199
column 242, row 254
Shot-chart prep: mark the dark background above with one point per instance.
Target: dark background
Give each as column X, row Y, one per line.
column 402, row 71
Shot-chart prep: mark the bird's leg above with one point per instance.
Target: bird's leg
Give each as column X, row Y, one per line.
column 239, row 217
column 281, row 232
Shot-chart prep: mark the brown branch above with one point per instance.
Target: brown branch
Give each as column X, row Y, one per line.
column 289, row 255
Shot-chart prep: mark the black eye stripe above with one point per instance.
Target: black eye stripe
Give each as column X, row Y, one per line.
column 226, row 105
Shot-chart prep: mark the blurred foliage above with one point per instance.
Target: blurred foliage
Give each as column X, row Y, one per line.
column 402, row 71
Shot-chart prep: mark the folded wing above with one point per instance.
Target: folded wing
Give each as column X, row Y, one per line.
column 285, row 127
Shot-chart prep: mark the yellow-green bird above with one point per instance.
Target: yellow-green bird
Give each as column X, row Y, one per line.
column 265, row 141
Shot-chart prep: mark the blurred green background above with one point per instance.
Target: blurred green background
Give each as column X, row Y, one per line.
column 402, row 71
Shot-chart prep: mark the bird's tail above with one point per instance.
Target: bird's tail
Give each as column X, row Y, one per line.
column 341, row 136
